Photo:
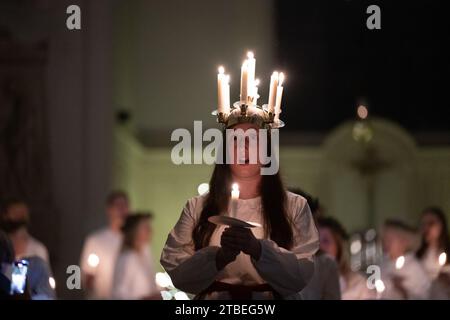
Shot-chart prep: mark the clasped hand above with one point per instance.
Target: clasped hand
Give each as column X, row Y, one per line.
column 235, row 240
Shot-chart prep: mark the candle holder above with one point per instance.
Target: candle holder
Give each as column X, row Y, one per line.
column 249, row 113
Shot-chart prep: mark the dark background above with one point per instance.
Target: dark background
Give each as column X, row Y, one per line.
column 400, row 72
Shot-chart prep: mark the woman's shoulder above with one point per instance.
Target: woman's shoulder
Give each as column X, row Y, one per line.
column 194, row 205
column 295, row 202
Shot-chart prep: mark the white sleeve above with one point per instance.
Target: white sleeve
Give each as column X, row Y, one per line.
column 191, row 271
column 416, row 282
column 289, row 271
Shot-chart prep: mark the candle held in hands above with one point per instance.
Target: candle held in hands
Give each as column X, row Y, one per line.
column 234, row 199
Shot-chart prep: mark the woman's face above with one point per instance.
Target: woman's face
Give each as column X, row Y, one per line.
column 431, row 228
column 250, row 144
column 143, row 234
column 327, row 242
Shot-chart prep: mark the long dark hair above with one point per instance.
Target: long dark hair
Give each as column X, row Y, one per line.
column 444, row 240
column 277, row 225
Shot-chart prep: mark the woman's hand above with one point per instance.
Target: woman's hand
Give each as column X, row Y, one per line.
column 241, row 239
column 224, row 256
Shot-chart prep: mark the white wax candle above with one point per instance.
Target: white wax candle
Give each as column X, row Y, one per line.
column 226, row 101
column 255, row 92
column 244, row 83
column 251, row 64
column 273, row 92
column 279, row 96
column 220, row 89
column 234, row 198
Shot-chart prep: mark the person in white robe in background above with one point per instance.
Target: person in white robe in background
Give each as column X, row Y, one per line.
column 101, row 248
column 239, row 262
column 17, row 212
column 403, row 276
column 333, row 236
column 434, row 250
column 134, row 275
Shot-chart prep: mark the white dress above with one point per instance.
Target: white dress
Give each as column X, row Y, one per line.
column 415, row 281
column 105, row 244
column 287, row 271
column 134, row 275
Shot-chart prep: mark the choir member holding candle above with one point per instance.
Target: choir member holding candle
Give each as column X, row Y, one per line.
column 401, row 273
column 274, row 260
column 435, row 243
column 102, row 247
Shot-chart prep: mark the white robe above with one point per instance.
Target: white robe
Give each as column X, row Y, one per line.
column 287, row 271
column 105, row 243
column 134, row 275
column 415, row 281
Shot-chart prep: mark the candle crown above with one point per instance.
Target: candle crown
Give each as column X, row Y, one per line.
column 247, row 110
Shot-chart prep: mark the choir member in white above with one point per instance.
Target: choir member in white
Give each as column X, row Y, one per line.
column 333, row 238
column 16, row 216
column 217, row 262
column 134, row 275
column 402, row 274
column 434, row 251
column 102, row 247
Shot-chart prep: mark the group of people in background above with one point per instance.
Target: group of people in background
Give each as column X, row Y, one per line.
column 116, row 261
column 414, row 263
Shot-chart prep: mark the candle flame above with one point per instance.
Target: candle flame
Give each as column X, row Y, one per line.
column 93, row 260
column 280, row 79
column 379, row 286
column 256, row 82
column 400, row 262
column 442, row 258
column 275, row 73
column 250, row 55
column 52, row 282
column 235, row 187
column 221, row 69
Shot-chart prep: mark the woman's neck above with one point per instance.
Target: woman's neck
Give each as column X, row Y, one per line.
column 248, row 187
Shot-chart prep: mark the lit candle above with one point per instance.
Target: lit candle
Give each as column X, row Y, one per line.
column 221, row 90
column 226, row 103
column 273, row 92
column 255, row 92
column 400, row 262
column 244, row 83
column 93, row 260
column 442, row 258
column 234, row 199
column 279, row 95
column 251, row 64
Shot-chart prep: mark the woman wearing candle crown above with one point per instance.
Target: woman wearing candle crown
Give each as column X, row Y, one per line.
column 219, row 262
